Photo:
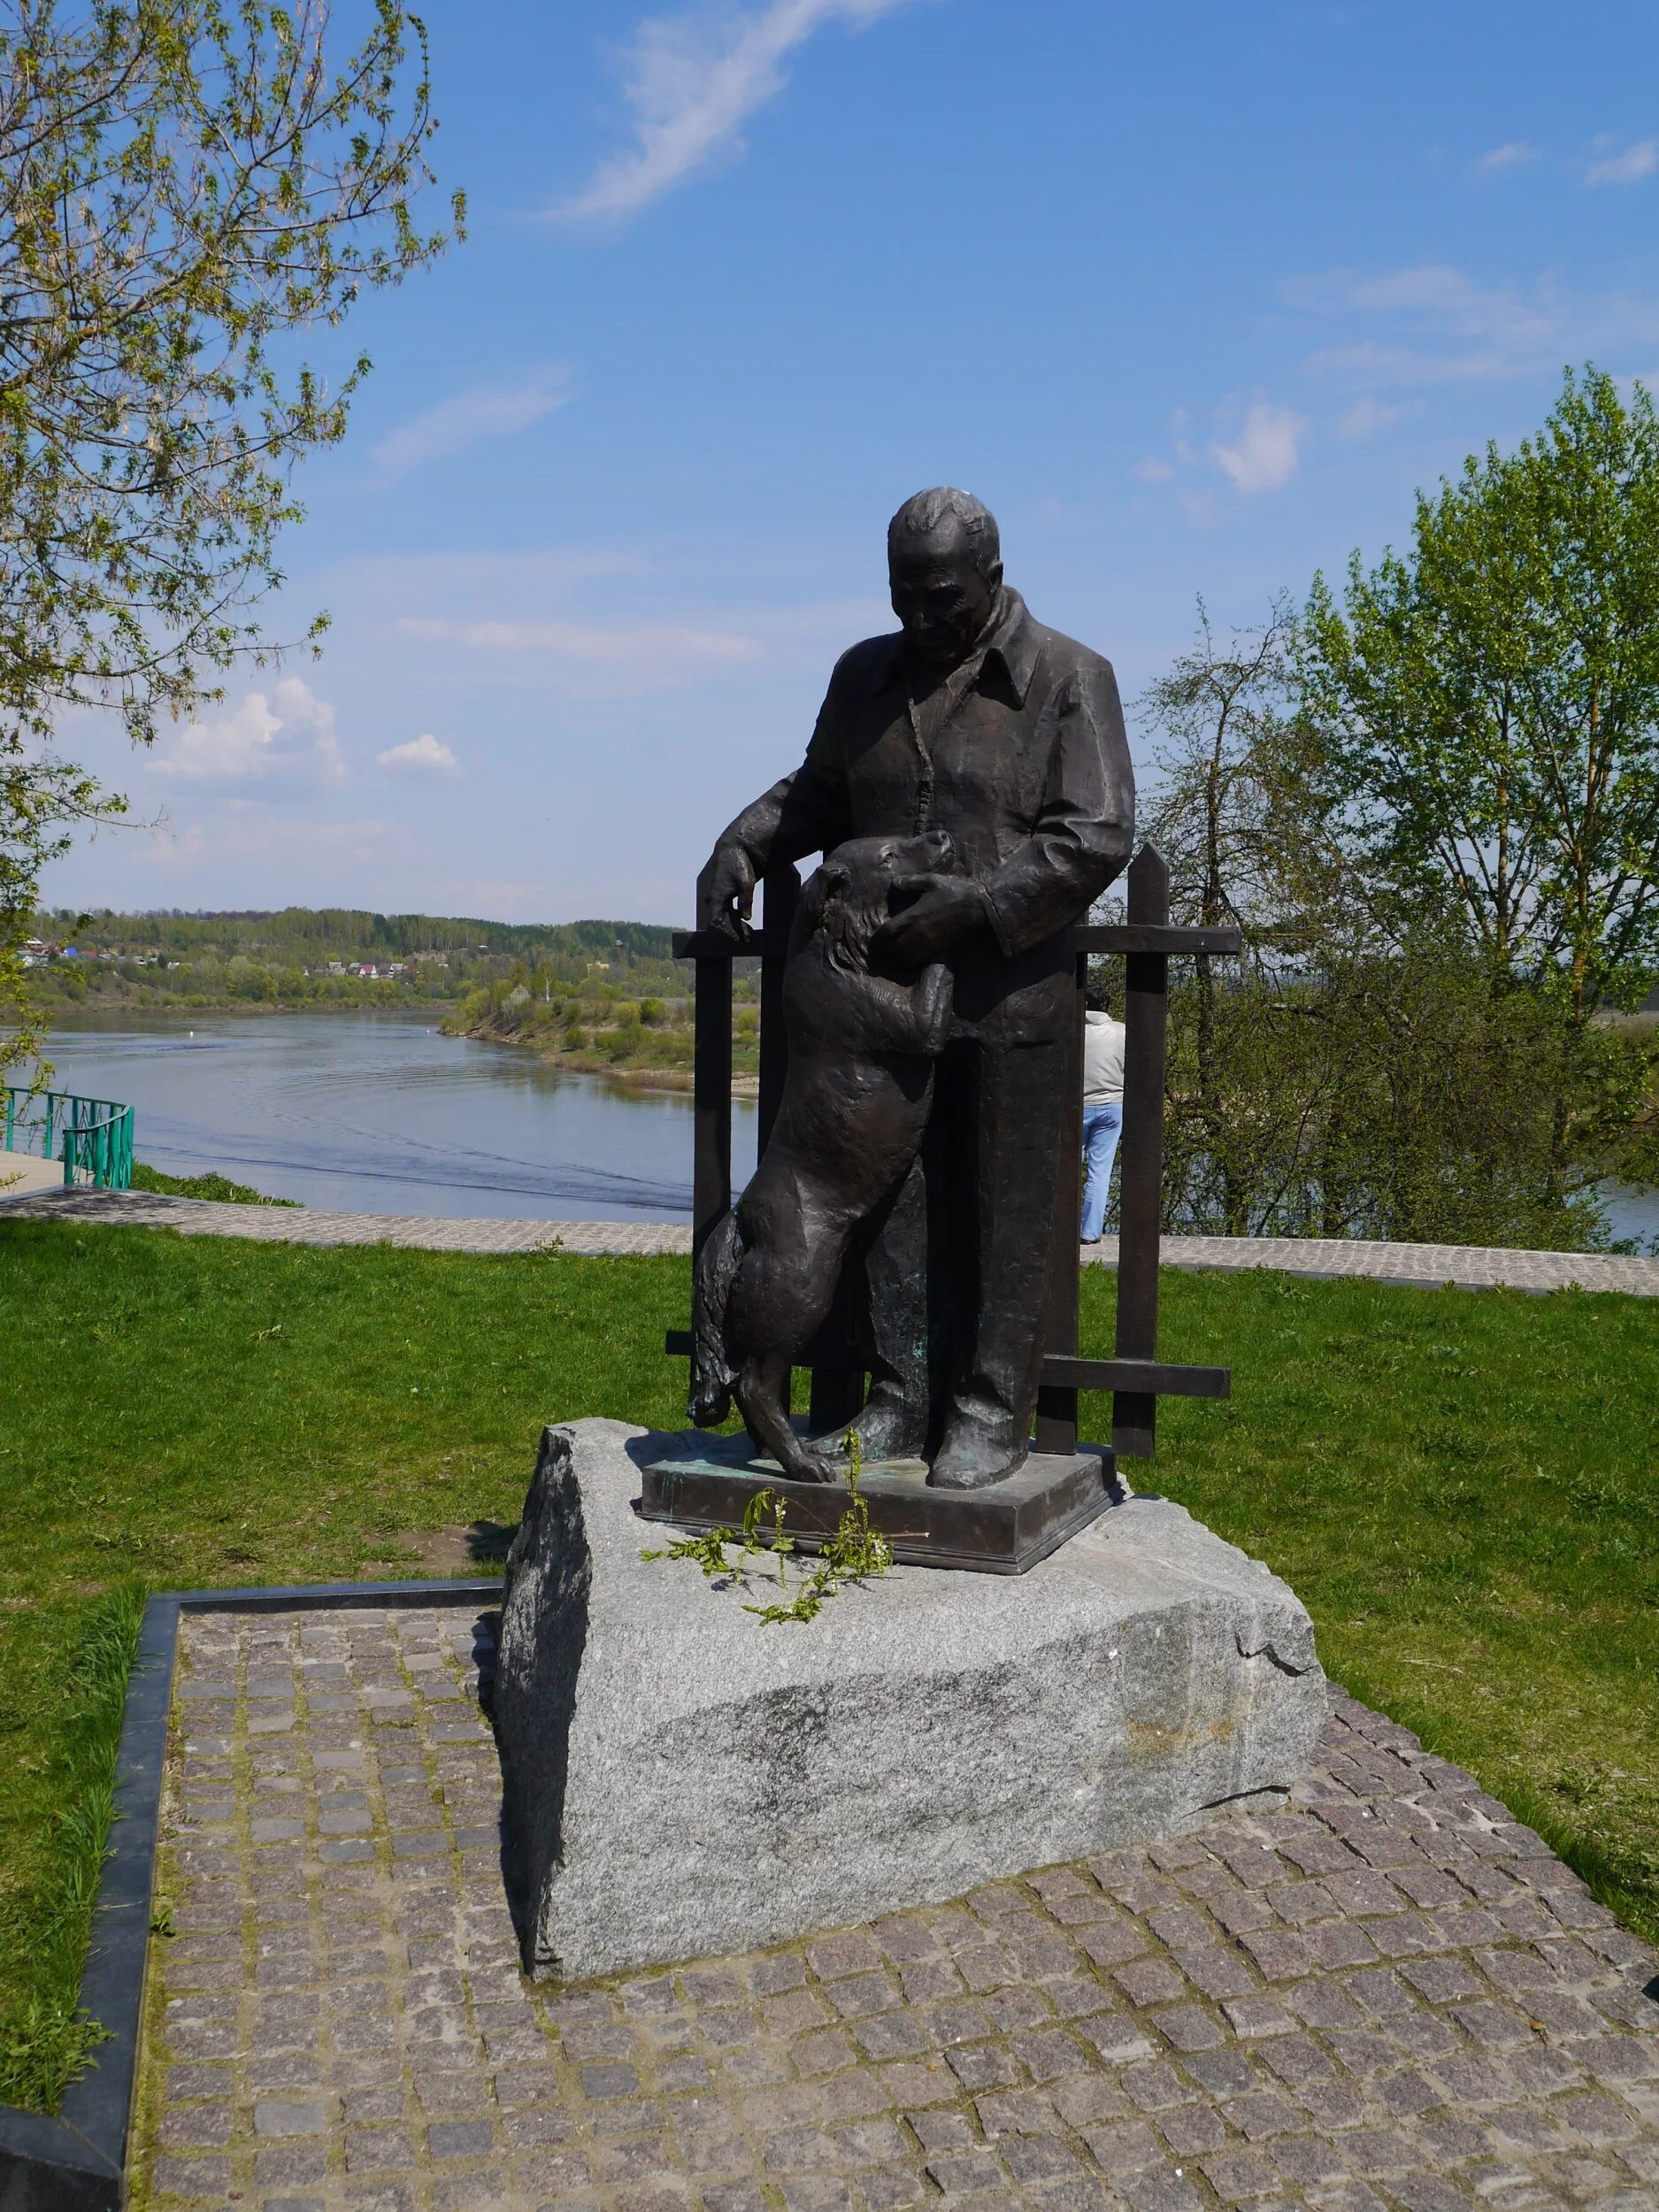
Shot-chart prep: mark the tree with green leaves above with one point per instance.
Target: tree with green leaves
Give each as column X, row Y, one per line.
column 185, row 186
column 1369, row 1069
column 1490, row 699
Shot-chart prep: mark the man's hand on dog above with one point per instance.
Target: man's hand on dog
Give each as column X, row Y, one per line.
column 936, row 912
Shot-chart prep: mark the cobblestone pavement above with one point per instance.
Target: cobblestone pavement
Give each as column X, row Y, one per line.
column 1468, row 1266
column 1389, row 1998
column 315, row 1224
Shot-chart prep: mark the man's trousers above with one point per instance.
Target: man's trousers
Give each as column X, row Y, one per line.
column 1102, row 1126
column 958, row 1272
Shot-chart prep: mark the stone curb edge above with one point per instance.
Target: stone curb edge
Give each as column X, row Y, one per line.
column 77, row 2161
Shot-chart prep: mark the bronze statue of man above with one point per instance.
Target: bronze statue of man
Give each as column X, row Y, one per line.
column 978, row 721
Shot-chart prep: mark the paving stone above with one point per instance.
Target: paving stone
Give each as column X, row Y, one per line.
column 1289, row 2009
column 271, row 2118
column 191, row 2178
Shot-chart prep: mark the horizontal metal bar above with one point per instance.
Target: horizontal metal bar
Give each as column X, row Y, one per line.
column 67, row 1098
column 714, row 944
column 1152, row 1378
column 1157, row 937
column 1158, row 1379
column 828, row 1356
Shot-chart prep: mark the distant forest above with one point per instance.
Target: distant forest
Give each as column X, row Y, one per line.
column 305, row 955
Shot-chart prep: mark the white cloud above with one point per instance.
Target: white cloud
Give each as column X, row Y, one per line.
column 286, row 735
column 1462, row 331
column 628, row 642
column 692, row 82
column 1438, row 293
column 422, row 756
column 1202, row 509
column 1152, row 469
column 259, row 833
column 1630, row 167
column 540, row 572
column 1267, row 451
column 1369, row 363
column 456, row 425
column 1513, row 154
column 1368, row 416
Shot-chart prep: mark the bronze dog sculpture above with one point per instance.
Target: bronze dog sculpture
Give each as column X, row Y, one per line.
column 855, row 1106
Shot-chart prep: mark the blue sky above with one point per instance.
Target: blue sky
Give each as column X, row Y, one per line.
column 1193, row 297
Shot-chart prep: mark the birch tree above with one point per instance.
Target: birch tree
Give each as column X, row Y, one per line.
column 186, row 185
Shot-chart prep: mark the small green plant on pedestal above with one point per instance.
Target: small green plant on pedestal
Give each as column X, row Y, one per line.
column 852, row 1553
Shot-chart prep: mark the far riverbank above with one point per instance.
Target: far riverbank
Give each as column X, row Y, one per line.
column 659, row 1061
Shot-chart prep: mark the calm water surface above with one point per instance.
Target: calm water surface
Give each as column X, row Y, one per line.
column 1634, row 1213
column 375, row 1114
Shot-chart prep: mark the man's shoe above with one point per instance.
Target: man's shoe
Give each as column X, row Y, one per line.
column 972, row 1458
column 890, row 1427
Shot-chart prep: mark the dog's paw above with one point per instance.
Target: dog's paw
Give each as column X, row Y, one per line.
column 808, row 1465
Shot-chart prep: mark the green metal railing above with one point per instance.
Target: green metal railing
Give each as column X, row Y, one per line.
column 93, row 1137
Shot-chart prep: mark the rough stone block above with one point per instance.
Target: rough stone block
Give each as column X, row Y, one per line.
column 682, row 1779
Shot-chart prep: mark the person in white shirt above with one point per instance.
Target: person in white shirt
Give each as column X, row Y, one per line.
column 1102, row 1107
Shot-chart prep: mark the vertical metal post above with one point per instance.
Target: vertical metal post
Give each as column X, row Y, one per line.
column 782, row 893
column 710, row 1101
column 1057, row 1408
column 1135, row 1413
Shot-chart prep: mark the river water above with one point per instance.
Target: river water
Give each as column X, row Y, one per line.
column 376, row 1114
column 370, row 1113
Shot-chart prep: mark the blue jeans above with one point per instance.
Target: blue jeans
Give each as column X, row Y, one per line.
column 1101, row 1127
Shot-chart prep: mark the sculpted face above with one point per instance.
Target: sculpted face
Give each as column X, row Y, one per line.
column 939, row 594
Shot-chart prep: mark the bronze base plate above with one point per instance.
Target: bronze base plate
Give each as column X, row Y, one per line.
column 1001, row 1530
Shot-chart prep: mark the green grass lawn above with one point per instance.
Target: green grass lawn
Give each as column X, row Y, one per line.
column 1463, row 1486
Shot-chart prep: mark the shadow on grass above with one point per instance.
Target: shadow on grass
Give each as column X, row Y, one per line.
column 439, row 1554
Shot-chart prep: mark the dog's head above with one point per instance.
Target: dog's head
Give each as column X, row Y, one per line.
column 847, row 899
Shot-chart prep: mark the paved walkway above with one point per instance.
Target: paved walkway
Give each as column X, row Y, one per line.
column 22, row 1174
column 316, row 1224
column 1468, row 1266
column 1389, row 1997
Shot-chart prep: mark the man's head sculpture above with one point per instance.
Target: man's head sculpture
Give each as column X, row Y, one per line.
column 945, row 571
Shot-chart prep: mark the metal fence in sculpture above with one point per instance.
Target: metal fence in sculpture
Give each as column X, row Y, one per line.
column 1135, row 1376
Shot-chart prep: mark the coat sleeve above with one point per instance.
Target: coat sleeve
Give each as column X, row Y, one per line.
column 807, row 811
column 1084, row 830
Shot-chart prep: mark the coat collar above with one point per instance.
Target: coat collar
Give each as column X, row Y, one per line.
column 1014, row 639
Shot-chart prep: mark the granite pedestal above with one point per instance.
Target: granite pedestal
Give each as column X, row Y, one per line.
column 682, row 1779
